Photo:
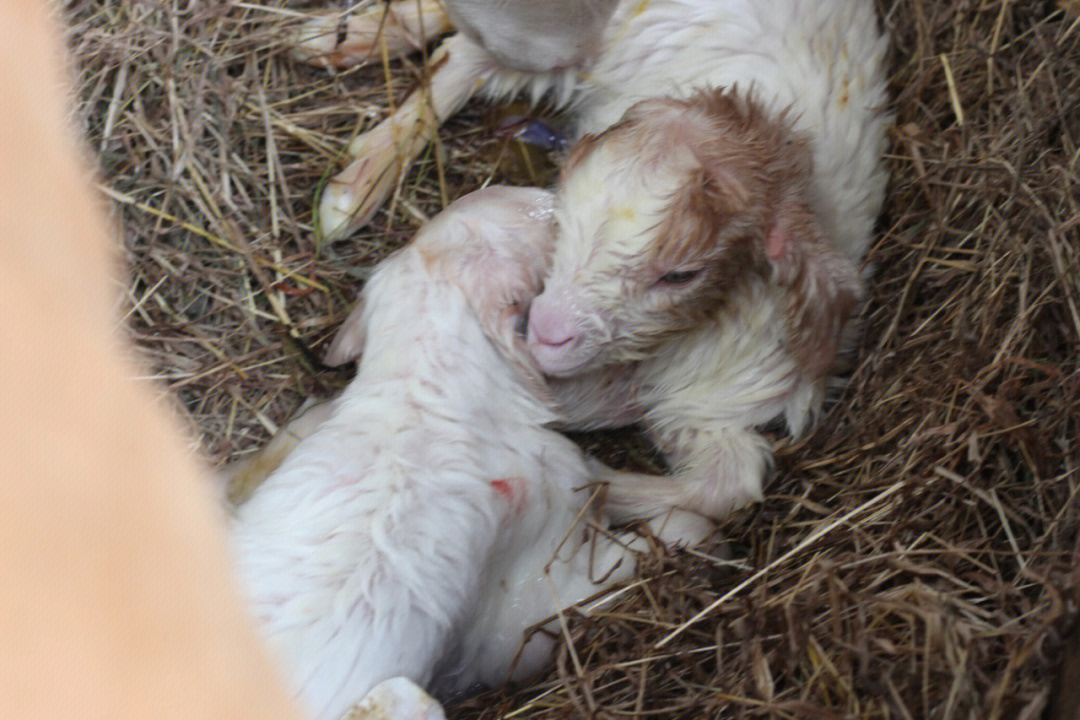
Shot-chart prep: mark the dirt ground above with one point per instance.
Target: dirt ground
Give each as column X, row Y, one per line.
column 916, row 556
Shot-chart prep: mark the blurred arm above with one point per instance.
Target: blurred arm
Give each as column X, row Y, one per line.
column 115, row 593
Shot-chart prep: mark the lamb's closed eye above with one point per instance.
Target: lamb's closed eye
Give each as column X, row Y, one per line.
column 679, row 277
column 521, row 324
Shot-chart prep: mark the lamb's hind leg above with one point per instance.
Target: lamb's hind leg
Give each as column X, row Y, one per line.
column 717, row 471
column 243, row 476
column 398, row 698
column 644, row 496
column 396, row 28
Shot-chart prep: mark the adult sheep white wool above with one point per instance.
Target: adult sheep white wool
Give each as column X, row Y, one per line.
column 710, row 222
column 430, row 518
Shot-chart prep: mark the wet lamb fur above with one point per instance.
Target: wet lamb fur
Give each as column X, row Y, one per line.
column 713, row 188
column 763, row 192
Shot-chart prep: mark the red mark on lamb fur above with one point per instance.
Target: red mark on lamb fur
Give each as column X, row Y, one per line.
column 512, row 490
column 776, row 244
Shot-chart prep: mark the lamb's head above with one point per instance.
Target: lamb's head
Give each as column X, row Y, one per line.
column 663, row 215
column 493, row 246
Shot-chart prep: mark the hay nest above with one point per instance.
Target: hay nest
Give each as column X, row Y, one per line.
column 916, row 557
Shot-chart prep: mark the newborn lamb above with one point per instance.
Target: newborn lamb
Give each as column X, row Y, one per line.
column 708, row 239
column 430, row 518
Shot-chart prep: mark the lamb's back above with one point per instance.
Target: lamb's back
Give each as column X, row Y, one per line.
column 820, row 61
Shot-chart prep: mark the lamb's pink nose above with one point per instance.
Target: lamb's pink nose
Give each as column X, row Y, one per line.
column 554, row 336
column 551, row 329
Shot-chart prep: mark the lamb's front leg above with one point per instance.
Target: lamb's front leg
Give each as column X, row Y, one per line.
column 395, row 28
column 380, row 156
column 637, row 496
column 717, row 470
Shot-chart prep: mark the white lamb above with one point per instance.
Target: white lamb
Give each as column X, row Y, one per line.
column 430, row 518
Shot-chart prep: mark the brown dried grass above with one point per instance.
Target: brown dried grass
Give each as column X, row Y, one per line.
column 916, row 557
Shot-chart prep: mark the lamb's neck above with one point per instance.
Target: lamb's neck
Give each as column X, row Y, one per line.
column 737, row 369
column 446, row 356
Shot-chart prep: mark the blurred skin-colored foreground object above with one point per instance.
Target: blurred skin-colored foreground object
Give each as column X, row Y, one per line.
column 116, row 599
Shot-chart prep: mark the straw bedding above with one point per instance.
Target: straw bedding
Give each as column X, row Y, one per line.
column 917, row 556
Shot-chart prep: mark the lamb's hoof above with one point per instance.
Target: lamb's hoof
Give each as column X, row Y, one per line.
column 351, row 197
column 681, row 528
column 337, row 41
column 317, row 40
column 396, row 699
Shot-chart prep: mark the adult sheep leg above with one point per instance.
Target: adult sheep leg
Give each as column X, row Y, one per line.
column 396, row 28
column 381, row 155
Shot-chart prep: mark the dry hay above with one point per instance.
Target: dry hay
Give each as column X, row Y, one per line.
column 916, row 557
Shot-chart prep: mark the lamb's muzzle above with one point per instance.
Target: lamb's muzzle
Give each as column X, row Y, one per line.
column 555, row 335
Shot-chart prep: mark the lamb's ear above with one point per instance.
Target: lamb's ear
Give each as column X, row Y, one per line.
column 511, row 233
column 502, row 285
column 822, row 286
column 348, row 344
column 502, row 328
